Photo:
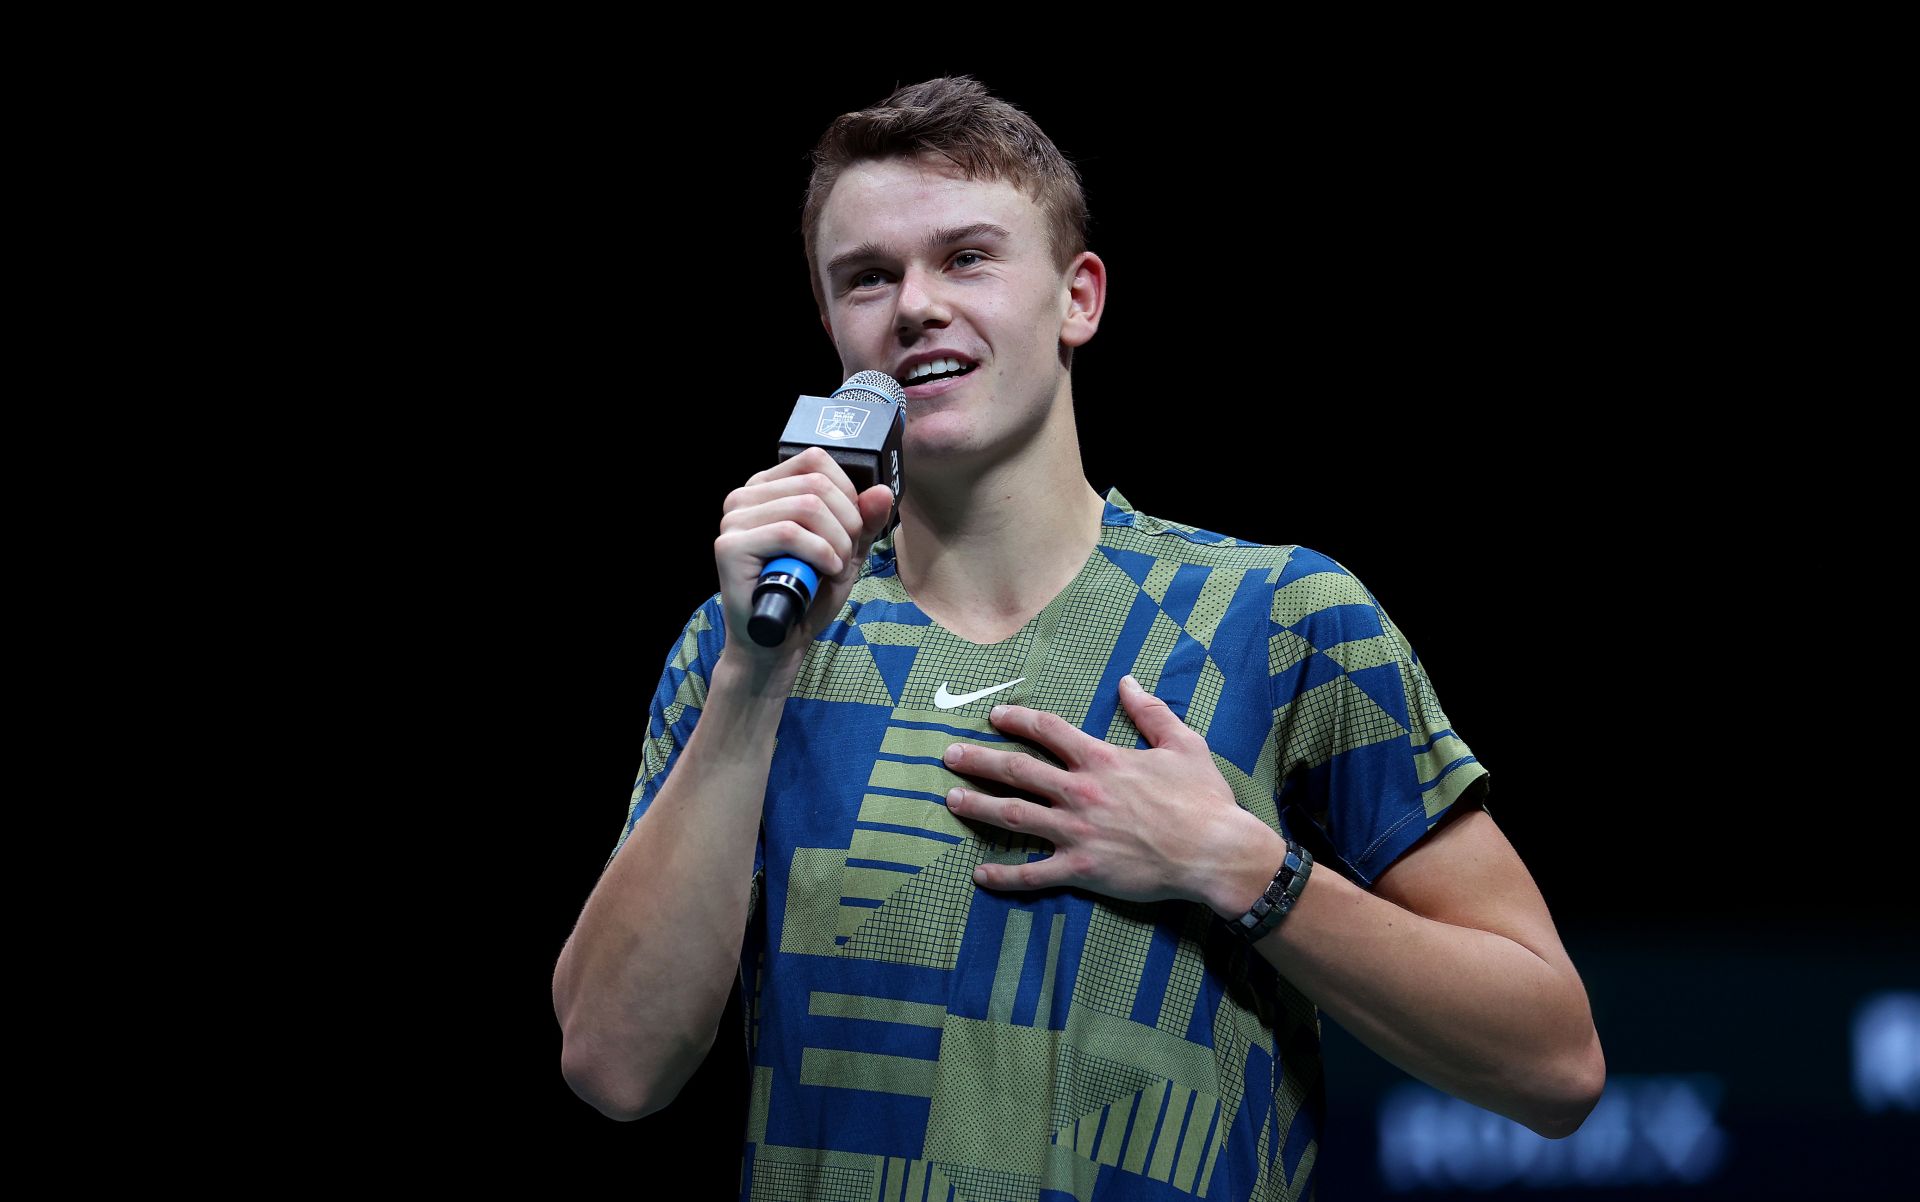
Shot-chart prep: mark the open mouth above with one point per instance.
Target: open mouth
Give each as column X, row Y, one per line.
column 932, row 376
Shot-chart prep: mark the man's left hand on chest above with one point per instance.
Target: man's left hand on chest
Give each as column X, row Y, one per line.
column 1139, row 825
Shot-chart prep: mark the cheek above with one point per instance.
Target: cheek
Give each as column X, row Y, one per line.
column 858, row 339
column 1040, row 321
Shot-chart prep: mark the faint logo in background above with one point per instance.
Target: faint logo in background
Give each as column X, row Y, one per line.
column 1886, row 1052
column 1645, row 1130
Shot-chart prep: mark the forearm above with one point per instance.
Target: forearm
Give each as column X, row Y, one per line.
column 643, row 980
column 1470, row 1012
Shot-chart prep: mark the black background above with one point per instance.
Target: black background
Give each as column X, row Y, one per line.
column 1501, row 342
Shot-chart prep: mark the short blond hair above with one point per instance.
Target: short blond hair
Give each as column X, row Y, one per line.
column 955, row 117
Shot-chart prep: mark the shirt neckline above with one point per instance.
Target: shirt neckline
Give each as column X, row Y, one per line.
column 1118, row 512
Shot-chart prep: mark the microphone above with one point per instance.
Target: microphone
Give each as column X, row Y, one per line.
column 861, row 426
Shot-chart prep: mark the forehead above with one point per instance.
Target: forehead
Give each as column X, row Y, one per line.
column 896, row 203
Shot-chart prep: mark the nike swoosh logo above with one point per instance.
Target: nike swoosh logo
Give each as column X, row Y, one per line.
column 947, row 701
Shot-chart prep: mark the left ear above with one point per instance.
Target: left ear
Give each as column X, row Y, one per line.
column 1086, row 298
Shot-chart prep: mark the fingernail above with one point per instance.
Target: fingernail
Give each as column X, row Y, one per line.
column 954, row 751
column 996, row 712
column 979, row 876
column 1128, row 679
column 953, row 795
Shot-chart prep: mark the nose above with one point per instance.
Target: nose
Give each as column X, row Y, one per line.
column 922, row 304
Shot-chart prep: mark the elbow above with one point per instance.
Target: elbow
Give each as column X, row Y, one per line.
column 617, row 1085
column 1578, row 1084
column 619, row 1089
column 621, row 1097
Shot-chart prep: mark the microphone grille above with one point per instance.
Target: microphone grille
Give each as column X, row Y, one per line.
column 877, row 382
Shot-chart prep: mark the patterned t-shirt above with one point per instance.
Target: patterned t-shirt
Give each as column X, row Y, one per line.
column 914, row 1036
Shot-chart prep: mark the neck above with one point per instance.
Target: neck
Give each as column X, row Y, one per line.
column 982, row 549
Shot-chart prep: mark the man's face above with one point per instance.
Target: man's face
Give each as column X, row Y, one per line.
column 922, row 266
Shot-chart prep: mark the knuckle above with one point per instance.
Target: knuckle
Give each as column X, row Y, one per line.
column 823, row 483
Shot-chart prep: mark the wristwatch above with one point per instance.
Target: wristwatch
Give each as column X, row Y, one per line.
column 1272, row 906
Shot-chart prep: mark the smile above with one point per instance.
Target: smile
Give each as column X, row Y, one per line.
column 935, row 383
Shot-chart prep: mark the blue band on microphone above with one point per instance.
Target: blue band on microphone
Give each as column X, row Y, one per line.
column 793, row 567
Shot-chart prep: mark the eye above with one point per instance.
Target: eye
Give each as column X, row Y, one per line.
column 968, row 254
column 860, row 281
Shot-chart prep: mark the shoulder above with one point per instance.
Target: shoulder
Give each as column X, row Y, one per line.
column 1121, row 518
column 701, row 640
column 708, row 618
column 1127, row 530
column 1303, row 581
column 1317, row 587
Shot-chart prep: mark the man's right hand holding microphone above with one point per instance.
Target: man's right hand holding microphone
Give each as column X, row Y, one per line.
column 804, row 507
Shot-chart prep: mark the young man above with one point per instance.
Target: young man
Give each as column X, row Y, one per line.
column 996, row 820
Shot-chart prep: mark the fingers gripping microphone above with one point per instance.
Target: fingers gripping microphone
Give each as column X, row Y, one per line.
column 861, row 426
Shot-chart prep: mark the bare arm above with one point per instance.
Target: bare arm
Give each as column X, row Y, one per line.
column 1450, row 968
column 643, row 980
column 641, row 985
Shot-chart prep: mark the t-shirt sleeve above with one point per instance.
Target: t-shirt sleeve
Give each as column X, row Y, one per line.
column 1368, row 761
column 673, row 714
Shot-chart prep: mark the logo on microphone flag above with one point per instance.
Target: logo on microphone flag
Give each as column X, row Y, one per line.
column 842, row 421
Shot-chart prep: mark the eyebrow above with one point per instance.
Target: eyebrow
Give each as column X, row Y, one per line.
column 946, row 237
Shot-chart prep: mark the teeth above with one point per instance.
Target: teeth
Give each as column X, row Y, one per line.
column 934, row 365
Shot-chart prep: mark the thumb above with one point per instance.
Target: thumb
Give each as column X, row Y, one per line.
column 876, row 506
column 1153, row 716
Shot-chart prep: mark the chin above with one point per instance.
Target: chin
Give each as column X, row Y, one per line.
column 938, row 432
